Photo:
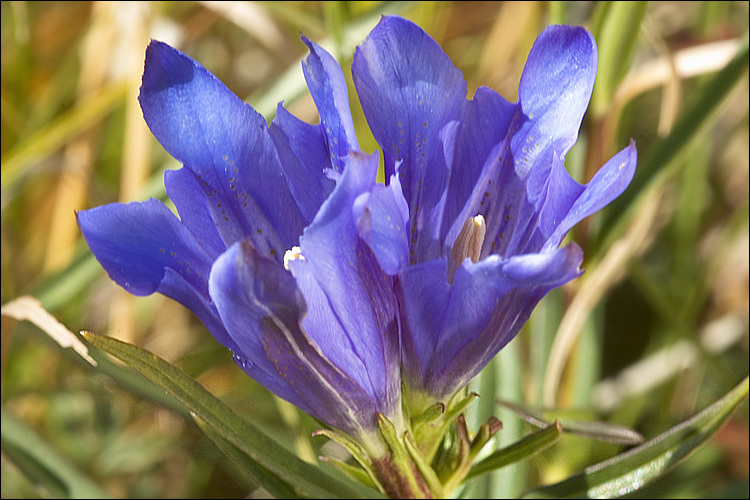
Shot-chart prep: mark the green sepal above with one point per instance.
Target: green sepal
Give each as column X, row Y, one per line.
column 486, row 432
column 400, row 457
column 428, row 474
column 524, row 448
column 431, row 413
column 457, row 462
column 430, row 427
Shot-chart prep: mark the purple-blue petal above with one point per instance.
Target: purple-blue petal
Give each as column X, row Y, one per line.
column 410, row 91
column 555, row 89
column 145, row 249
column 452, row 331
column 383, row 223
column 352, row 312
column 484, row 124
column 192, row 206
column 136, row 242
column 304, row 156
column 328, row 88
column 226, row 144
column 254, row 296
column 263, row 310
column 557, row 195
column 607, row 184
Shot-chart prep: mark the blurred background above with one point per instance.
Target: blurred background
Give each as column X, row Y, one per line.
column 655, row 330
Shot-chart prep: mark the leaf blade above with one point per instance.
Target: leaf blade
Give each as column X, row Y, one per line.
column 311, row 480
column 629, row 471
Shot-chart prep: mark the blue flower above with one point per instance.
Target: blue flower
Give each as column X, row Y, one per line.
column 333, row 291
column 266, row 250
column 478, row 199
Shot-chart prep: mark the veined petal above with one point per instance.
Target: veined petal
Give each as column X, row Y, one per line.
column 410, row 91
column 226, row 144
column 382, row 222
column 554, row 91
column 484, row 125
column 145, row 249
column 304, row 156
column 452, row 331
column 501, row 197
column 195, row 212
column 262, row 308
column 328, row 88
column 558, row 194
column 607, row 184
column 353, row 315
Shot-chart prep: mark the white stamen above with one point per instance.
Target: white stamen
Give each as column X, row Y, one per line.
column 294, row 254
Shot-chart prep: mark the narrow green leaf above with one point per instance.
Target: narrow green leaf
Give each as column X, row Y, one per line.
column 520, row 450
column 356, row 451
column 129, row 380
column 635, row 468
column 356, row 473
column 42, row 464
column 262, row 476
column 308, row 479
column 601, row 431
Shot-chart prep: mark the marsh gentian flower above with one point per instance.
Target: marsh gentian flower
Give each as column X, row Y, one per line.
column 335, row 292
column 266, row 250
column 478, row 199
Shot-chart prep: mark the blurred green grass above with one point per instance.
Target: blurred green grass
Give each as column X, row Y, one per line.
column 665, row 295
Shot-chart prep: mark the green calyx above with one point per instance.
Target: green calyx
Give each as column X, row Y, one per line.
column 428, row 459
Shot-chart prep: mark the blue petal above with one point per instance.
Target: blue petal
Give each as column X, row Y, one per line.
column 225, row 143
column 145, row 249
column 352, row 312
column 554, row 91
column 560, row 191
column 500, row 195
column 484, row 124
column 136, row 242
column 304, row 156
column 328, row 88
column 383, row 223
column 606, row 185
column 452, row 331
column 195, row 212
column 410, row 91
column 262, row 309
